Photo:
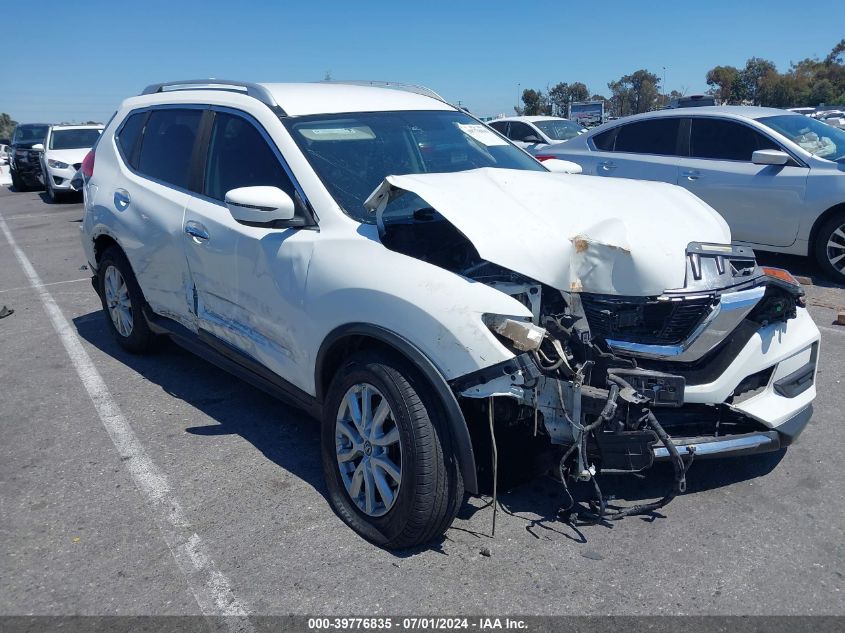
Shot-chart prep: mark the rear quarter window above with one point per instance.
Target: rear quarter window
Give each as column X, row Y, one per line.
column 128, row 136
column 168, row 144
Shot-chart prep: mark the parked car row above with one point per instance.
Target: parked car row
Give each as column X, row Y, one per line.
column 777, row 177
column 425, row 288
column 48, row 156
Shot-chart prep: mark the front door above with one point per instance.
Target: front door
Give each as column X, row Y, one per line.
column 761, row 203
column 249, row 280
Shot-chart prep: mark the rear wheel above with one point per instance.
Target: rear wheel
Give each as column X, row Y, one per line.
column 387, row 451
column 123, row 302
column 830, row 247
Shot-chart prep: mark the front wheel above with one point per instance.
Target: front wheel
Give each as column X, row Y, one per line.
column 390, row 469
column 830, row 247
column 51, row 193
column 17, row 182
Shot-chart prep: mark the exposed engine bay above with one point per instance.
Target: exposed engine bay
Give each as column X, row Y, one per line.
column 603, row 376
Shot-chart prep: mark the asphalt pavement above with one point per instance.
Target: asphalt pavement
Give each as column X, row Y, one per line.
column 762, row 535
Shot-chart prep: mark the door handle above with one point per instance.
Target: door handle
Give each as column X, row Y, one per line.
column 121, row 199
column 197, row 232
column 607, row 165
column 692, row 174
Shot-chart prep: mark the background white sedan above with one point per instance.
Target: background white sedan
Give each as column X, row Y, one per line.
column 777, row 177
column 536, row 132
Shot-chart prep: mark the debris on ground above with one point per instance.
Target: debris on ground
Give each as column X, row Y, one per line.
column 840, row 318
column 4, row 312
column 485, row 551
column 804, row 281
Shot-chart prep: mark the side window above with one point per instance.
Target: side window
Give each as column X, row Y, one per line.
column 500, row 126
column 167, row 145
column 725, row 140
column 604, row 141
column 239, row 156
column 519, row 131
column 127, row 138
column 653, row 136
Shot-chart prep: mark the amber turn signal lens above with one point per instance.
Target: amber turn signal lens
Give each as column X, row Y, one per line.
column 780, row 273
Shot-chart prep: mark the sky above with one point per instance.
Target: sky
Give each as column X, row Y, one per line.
column 76, row 61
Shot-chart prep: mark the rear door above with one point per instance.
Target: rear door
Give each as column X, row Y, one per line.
column 643, row 150
column 249, row 280
column 157, row 146
column 761, row 203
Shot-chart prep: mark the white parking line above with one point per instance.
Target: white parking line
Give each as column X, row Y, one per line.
column 54, row 283
column 211, row 589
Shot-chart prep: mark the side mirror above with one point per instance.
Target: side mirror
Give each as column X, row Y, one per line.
column 531, row 138
column 557, row 166
column 260, row 205
column 769, row 157
column 39, row 147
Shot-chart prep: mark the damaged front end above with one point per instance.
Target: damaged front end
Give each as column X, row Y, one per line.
column 616, row 380
column 604, row 377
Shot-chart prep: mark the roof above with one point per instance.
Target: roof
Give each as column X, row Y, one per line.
column 746, row 112
column 76, row 126
column 298, row 99
column 531, row 118
column 326, row 97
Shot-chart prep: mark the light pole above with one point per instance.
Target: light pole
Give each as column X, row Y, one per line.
column 664, row 84
column 518, row 92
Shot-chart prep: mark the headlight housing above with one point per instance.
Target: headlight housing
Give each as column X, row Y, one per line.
column 56, row 164
column 523, row 336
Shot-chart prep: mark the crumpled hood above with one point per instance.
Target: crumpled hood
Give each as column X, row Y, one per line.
column 574, row 233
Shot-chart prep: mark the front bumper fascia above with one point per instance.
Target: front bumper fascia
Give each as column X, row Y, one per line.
column 739, row 445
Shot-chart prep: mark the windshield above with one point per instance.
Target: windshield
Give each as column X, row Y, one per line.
column 30, row 134
column 820, row 139
column 559, row 130
column 353, row 153
column 74, row 139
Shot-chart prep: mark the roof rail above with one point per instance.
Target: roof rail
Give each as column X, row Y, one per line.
column 416, row 89
column 257, row 91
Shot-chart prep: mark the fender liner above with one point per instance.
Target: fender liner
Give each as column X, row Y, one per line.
column 457, row 422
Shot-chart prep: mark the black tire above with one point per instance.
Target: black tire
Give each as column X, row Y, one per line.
column 17, row 182
column 432, row 488
column 831, row 231
column 139, row 338
column 51, row 193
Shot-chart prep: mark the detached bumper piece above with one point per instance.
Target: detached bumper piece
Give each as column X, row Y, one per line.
column 727, row 446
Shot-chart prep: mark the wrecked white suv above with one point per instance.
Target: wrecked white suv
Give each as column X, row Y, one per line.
column 404, row 273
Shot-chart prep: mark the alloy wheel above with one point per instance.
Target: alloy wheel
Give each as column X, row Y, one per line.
column 117, row 301
column 835, row 249
column 369, row 453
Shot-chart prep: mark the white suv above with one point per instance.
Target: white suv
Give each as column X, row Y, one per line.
column 422, row 286
column 64, row 148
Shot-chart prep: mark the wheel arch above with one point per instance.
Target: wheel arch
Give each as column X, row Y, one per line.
column 353, row 337
column 102, row 243
column 817, row 225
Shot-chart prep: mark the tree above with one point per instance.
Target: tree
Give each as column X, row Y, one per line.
column 726, row 83
column 7, row 125
column 837, row 52
column 563, row 94
column 535, row 102
column 578, row 92
column 559, row 99
column 635, row 93
column 755, row 70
